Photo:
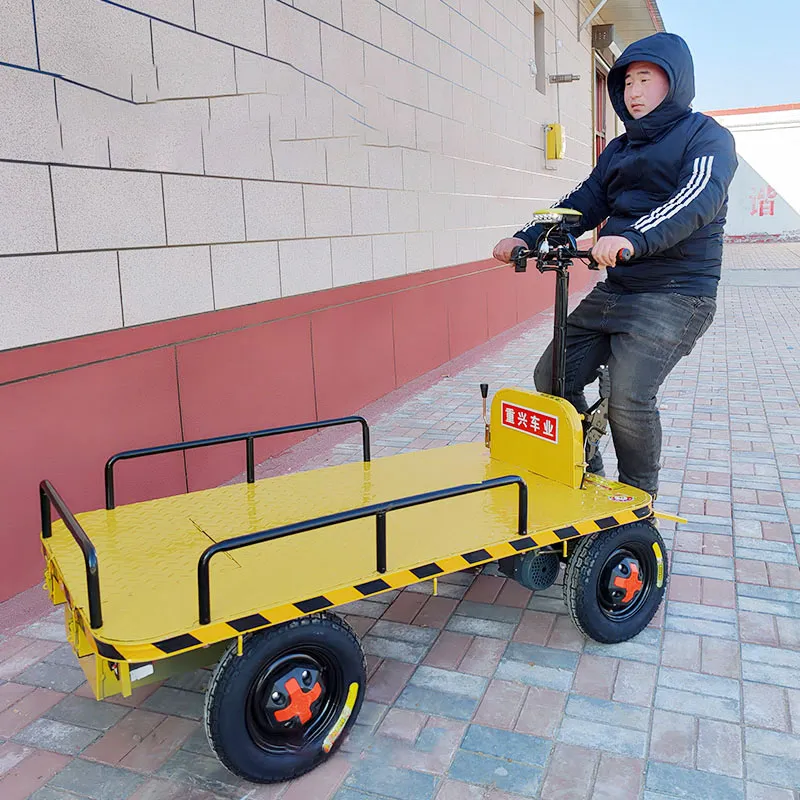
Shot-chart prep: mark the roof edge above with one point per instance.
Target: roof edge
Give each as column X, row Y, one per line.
column 729, row 112
column 655, row 15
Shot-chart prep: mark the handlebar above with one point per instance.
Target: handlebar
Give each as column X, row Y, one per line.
column 520, row 256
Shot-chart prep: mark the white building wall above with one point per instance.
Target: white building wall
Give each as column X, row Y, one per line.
column 162, row 158
column 765, row 193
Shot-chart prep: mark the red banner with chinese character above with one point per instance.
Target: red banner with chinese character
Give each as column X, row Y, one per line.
column 543, row 426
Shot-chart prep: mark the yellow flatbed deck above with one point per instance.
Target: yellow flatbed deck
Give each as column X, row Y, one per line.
column 148, row 552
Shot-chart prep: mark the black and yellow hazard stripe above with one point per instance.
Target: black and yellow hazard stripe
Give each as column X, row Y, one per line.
column 221, row 631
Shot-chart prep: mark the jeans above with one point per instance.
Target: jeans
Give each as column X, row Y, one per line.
column 641, row 337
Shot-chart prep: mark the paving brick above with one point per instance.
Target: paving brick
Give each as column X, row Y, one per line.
column 431, row 701
column 721, row 657
column 717, row 545
column 456, row 790
column 442, row 680
column 400, row 784
column 757, row 628
column 321, row 783
column 719, row 593
column 388, row 681
column 541, row 712
column 685, row 588
column 30, row 773
column 774, row 770
column 51, row 631
column 794, row 709
column 507, row 744
column 618, row 778
column 749, row 571
column 608, row 712
column 765, row 706
column 597, row 735
column 535, row 627
column 177, row 702
column 435, row 747
column 721, row 708
column 570, row 773
column 679, row 782
column 788, row 632
column 501, row 705
column 635, row 683
column 537, row 666
column 400, row 723
column 473, row 626
column 643, row 647
column 360, row 625
column 11, row 692
column 57, row 736
column 681, row 650
column 719, row 748
column 123, row 737
column 772, row 743
column 485, row 589
column 520, row 779
column 596, row 676
column 566, row 636
column 486, row 611
column 757, row 791
column 158, row 789
column 436, row 612
column 673, row 738
column 397, row 650
column 97, row 781
column 405, row 607
column 514, row 594
column 785, row 576
column 86, row 713
column 448, row 650
column 19, row 661
column 26, row 710
column 159, row 744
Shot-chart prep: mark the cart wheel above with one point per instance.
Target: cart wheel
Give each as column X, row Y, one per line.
column 615, row 581
column 280, row 708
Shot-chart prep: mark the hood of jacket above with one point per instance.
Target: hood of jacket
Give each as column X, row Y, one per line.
column 671, row 53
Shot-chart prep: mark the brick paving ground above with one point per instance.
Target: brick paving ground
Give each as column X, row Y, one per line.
column 486, row 692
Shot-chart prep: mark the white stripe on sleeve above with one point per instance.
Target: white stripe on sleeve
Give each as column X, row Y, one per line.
column 697, row 176
column 704, row 178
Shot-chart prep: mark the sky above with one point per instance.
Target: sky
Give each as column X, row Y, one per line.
column 745, row 53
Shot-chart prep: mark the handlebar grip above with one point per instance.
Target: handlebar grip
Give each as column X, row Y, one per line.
column 519, row 258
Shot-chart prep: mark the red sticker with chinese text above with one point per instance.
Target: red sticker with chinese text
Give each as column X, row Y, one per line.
column 542, row 426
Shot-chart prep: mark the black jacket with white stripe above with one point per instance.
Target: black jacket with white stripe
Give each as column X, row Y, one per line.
column 662, row 185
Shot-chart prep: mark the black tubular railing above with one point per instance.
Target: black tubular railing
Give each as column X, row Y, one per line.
column 248, row 438
column 48, row 497
column 378, row 510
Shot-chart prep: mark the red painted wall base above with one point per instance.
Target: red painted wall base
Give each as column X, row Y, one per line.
column 67, row 406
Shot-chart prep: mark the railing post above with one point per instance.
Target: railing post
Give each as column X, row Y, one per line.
column 44, row 505
column 251, row 461
column 380, row 541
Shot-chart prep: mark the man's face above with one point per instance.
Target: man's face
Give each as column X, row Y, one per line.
column 646, row 85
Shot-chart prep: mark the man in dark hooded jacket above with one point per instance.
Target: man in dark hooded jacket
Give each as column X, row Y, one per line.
column 661, row 188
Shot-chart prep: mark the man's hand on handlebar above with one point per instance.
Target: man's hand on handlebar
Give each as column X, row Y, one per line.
column 606, row 250
column 502, row 250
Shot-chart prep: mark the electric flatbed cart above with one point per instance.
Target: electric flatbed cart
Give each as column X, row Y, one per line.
column 244, row 576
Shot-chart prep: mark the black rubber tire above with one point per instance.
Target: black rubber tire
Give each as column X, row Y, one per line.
column 582, row 579
column 227, row 698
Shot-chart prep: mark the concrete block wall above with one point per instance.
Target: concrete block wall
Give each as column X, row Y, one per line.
column 165, row 158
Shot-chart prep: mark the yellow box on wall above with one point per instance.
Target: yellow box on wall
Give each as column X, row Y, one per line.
column 555, row 141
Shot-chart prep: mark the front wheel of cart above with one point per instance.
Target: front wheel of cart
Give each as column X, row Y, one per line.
column 615, row 580
column 281, row 707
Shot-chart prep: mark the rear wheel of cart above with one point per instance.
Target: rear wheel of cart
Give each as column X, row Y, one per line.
column 282, row 707
column 615, row 581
